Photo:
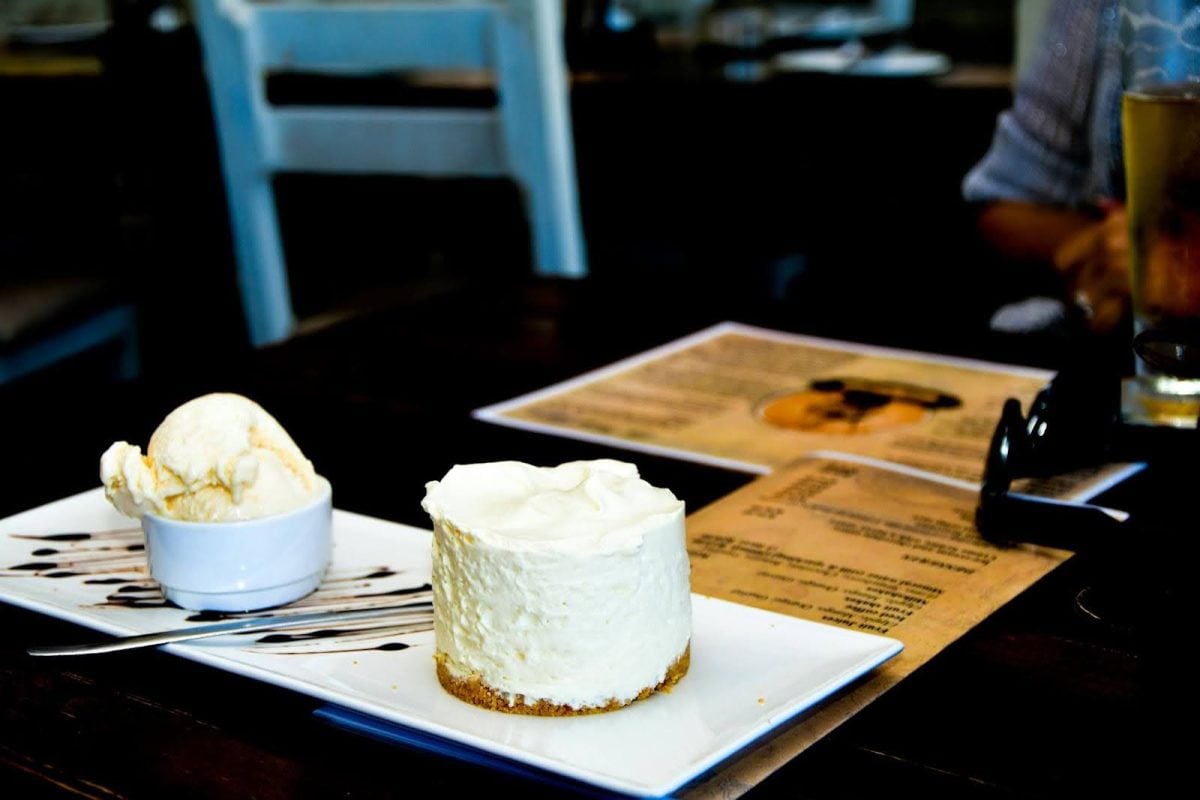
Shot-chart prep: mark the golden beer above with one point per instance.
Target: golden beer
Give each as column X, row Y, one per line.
column 1161, row 130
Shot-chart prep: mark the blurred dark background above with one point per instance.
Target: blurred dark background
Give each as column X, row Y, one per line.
column 765, row 184
column 715, row 182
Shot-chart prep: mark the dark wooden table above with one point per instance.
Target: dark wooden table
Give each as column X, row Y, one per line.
column 1041, row 700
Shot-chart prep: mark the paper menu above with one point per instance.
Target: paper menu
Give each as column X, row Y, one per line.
column 754, row 400
column 839, row 540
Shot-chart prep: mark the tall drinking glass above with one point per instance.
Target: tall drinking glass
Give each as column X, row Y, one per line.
column 1160, row 118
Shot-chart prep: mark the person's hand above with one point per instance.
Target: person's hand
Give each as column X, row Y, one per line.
column 1094, row 262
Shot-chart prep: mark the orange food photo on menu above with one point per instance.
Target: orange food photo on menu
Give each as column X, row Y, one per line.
column 853, row 406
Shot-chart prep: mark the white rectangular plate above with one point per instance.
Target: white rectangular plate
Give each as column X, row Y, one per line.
column 751, row 670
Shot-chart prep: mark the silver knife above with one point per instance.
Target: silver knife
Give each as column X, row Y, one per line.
column 233, row 626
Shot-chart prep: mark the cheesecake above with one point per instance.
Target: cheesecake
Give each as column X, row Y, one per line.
column 557, row 590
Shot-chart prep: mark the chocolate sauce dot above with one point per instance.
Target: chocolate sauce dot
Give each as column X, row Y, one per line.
column 400, row 592
column 324, row 633
column 276, row 638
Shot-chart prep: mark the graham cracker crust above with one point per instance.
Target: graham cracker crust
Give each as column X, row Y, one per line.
column 473, row 690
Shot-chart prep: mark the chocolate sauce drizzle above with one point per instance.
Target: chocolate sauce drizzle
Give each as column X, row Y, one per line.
column 117, row 558
column 80, row 554
column 347, row 636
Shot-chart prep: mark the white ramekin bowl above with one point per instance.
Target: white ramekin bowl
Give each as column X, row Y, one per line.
column 242, row 566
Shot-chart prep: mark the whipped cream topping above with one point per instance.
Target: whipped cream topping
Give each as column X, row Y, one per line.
column 567, row 584
column 600, row 505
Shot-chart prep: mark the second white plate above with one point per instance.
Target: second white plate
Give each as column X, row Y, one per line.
column 896, row 63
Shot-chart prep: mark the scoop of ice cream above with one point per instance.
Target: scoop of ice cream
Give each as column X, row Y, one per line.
column 217, row 458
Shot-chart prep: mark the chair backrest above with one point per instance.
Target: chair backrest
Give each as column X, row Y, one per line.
column 527, row 136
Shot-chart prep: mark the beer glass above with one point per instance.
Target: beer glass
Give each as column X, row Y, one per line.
column 1160, row 120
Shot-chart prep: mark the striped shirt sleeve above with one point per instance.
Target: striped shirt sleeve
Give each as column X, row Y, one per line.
column 1041, row 150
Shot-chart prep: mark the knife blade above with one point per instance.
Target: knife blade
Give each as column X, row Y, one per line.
column 233, row 626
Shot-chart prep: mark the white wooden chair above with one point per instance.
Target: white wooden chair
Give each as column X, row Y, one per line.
column 527, row 136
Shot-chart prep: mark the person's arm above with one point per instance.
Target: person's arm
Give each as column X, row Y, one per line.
column 1030, row 231
column 1090, row 253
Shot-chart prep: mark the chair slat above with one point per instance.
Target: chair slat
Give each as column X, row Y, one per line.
column 374, row 38
column 433, row 142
